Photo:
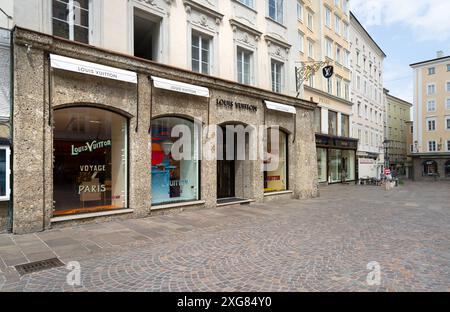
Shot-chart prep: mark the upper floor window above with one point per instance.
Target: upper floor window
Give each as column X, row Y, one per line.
column 244, row 66
column 70, row 19
column 310, row 49
column 339, row 87
column 301, row 39
column 332, row 123
column 337, row 24
column 447, row 123
column 248, row 3
column 448, row 67
column 447, row 104
column 431, row 124
column 328, row 17
column 337, row 3
column 345, row 125
column 432, row 146
column 345, row 31
column 431, row 89
column 277, row 75
column 310, row 21
column 276, row 10
column 329, row 48
column 299, row 11
column 431, row 71
column 447, row 86
column 201, row 53
column 431, row 106
column 345, row 5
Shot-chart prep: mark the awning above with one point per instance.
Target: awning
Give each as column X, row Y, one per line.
column 178, row 86
column 281, row 107
column 88, row 68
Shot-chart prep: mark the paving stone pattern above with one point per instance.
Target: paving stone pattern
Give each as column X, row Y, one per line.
column 321, row 244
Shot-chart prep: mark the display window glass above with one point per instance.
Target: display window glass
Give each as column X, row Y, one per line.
column 348, row 165
column 322, row 164
column 174, row 179
column 430, row 167
column 334, row 165
column 277, row 180
column 90, row 161
column 4, row 173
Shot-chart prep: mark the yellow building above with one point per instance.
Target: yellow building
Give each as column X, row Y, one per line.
column 398, row 112
column 431, row 156
column 323, row 28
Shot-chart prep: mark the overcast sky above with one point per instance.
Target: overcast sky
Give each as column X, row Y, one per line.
column 408, row 32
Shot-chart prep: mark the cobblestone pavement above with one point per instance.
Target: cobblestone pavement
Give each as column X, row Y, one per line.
column 321, row 244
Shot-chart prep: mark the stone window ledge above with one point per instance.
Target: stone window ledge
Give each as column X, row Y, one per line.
column 91, row 215
column 178, row 205
column 278, row 193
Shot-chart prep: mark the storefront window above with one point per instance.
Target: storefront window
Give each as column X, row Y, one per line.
column 348, row 165
column 322, row 164
column 430, row 167
column 332, row 123
column 90, row 168
column 447, row 169
column 334, row 165
column 174, row 178
column 276, row 180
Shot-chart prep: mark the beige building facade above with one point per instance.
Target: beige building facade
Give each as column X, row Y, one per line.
column 431, row 155
column 398, row 112
column 323, row 33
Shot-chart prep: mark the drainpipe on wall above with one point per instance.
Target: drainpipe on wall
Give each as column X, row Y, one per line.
column 11, row 101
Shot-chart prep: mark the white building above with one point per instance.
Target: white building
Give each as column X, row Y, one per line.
column 368, row 99
column 246, row 41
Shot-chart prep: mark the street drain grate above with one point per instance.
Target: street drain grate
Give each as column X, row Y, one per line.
column 38, row 266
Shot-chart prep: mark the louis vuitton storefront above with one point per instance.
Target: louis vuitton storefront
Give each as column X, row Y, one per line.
column 100, row 138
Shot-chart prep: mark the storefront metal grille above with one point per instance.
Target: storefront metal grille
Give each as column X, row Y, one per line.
column 38, row 266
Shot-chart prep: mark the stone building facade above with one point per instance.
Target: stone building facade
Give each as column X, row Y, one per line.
column 56, row 106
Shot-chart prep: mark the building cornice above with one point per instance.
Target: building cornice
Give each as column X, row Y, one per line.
column 327, row 95
column 250, row 30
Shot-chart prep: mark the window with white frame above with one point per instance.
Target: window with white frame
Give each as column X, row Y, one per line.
column 431, row 71
column 447, row 104
column 244, row 66
column 310, row 49
column 431, row 106
column 310, row 21
column 329, row 48
column 277, row 76
column 448, row 67
column 346, row 58
column 345, row 31
column 431, row 89
column 201, row 53
column 448, row 145
column 330, row 85
column 301, row 40
column 327, row 17
column 337, row 3
column 338, row 86
column 345, row 6
column 431, row 124
column 70, row 19
column 432, row 146
column 276, row 10
column 5, row 173
column 311, row 81
column 337, row 24
column 447, row 86
column 346, row 91
column 299, row 11
column 338, row 54
column 248, row 3
column 447, row 122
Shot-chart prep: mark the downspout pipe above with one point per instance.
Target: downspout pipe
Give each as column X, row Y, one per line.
column 11, row 111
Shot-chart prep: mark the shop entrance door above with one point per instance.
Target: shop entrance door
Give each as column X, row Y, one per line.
column 225, row 170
